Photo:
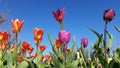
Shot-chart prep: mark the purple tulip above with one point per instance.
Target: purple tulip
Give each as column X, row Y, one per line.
column 64, row 36
column 108, row 15
column 84, row 41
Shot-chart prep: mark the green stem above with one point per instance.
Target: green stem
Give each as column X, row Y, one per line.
column 65, row 53
column 83, row 59
column 37, row 53
column 62, row 25
column 105, row 29
column 17, row 38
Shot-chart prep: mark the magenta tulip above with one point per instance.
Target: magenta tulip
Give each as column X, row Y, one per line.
column 84, row 41
column 108, row 15
column 59, row 15
column 64, row 36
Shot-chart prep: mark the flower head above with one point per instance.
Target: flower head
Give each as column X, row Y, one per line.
column 84, row 41
column 57, row 43
column 64, row 36
column 17, row 25
column 108, row 15
column 38, row 33
column 42, row 47
column 59, row 15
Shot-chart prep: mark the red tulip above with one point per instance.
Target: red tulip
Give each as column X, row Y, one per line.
column 59, row 15
column 17, row 25
column 108, row 15
column 57, row 43
column 38, row 33
column 42, row 47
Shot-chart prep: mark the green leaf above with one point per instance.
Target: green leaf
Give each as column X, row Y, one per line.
column 23, row 64
column 95, row 32
column 53, row 46
column 73, row 64
column 98, row 35
column 117, row 53
column 70, row 54
column 117, row 28
column 97, row 43
column 110, row 41
column 56, row 62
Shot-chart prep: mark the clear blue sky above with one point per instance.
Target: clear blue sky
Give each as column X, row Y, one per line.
column 78, row 15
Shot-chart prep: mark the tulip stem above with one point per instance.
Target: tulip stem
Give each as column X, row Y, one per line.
column 62, row 26
column 17, row 38
column 65, row 53
column 105, row 30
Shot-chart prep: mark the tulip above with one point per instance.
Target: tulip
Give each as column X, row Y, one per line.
column 64, row 36
column 59, row 15
column 26, row 45
column 42, row 47
column 57, row 43
column 48, row 58
column 4, row 36
column 84, row 41
column 108, row 15
column 38, row 33
column 17, row 25
column 41, row 60
column 12, row 48
column 30, row 50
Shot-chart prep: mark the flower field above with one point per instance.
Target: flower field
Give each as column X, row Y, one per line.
column 18, row 54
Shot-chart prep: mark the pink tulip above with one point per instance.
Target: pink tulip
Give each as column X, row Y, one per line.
column 59, row 15
column 108, row 15
column 84, row 41
column 64, row 36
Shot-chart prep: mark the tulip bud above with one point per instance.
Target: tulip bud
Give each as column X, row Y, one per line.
column 108, row 15
column 84, row 41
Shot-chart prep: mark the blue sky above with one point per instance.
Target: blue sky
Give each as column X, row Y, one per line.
column 78, row 15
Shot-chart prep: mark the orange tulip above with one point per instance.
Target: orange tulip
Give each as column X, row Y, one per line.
column 4, row 36
column 41, row 60
column 12, row 48
column 20, row 59
column 17, row 25
column 48, row 58
column 25, row 45
column 57, row 42
column 30, row 50
column 42, row 47
column 3, row 40
column 38, row 33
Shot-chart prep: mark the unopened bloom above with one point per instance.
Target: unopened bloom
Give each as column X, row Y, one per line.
column 59, row 15
column 84, row 41
column 17, row 25
column 64, row 36
column 42, row 47
column 108, row 15
column 38, row 33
